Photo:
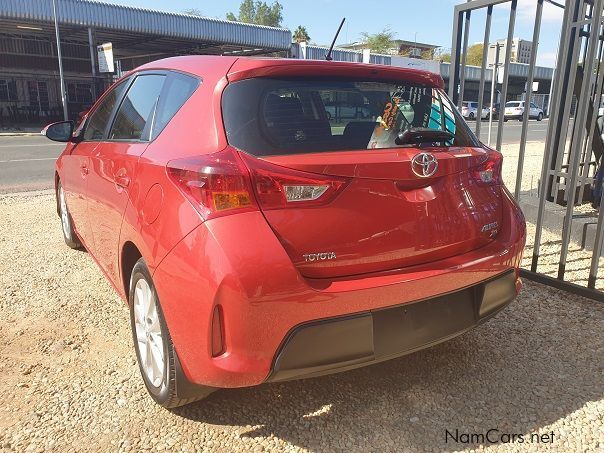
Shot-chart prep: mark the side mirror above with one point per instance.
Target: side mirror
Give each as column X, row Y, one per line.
column 59, row 132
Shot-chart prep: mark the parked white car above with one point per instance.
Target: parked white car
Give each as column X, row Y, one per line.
column 515, row 110
column 469, row 110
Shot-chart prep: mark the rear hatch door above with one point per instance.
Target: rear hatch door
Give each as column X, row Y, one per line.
column 342, row 197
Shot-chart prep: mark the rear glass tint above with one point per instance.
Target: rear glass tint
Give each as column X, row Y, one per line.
column 268, row 116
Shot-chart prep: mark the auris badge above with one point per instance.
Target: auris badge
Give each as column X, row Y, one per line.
column 424, row 165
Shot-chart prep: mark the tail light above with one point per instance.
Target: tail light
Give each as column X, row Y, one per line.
column 489, row 172
column 278, row 187
column 216, row 184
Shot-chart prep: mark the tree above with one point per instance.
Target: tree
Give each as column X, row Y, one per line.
column 259, row 12
column 300, row 34
column 193, row 12
column 381, row 42
column 428, row 54
column 474, row 57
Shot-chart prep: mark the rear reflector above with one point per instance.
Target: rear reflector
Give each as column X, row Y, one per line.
column 278, row 187
column 218, row 346
column 216, row 184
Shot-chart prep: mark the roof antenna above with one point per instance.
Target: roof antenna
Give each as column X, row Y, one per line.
column 333, row 43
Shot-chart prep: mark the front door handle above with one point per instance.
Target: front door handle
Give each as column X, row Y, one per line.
column 122, row 179
column 84, row 170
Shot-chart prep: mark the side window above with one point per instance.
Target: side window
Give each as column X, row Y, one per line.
column 134, row 117
column 177, row 90
column 95, row 129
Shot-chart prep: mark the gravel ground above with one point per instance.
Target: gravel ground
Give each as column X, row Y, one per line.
column 69, row 377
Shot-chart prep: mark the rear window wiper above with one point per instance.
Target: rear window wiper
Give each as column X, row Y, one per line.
column 417, row 135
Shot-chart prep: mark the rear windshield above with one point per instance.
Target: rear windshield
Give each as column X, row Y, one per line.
column 513, row 104
column 267, row 116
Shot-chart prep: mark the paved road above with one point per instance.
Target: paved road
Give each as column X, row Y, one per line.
column 27, row 163
column 511, row 131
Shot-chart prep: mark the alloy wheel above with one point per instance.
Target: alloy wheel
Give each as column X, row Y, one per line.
column 65, row 222
column 148, row 333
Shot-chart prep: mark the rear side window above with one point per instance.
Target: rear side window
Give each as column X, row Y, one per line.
column 286, row 116
column 135, row 115
column 177, row 90
column 99, row 120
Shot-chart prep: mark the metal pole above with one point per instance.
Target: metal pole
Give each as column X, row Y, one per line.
column 454, row 66
column 464, row 57
column 551, row 84
column 493, row 79
column 485, row 50
column 552, row 140
column 597, row 252
column 577, row 140
column 493, row 83
column 506, row 72
column 527, row 99
column 62, row 80
column 92, row 63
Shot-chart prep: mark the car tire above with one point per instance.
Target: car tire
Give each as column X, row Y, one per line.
column 540, row 116
column 69, row 235
column 505, row 120
column 471, row 115
column 155, row 353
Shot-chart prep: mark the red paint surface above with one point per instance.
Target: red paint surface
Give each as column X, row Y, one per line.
column 398, row 239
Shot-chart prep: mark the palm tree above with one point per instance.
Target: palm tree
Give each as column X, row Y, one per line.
column 300, row 34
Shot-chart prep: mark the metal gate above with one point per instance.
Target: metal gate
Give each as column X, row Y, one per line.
column 565, row 215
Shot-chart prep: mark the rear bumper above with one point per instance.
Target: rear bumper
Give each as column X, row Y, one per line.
column 333, row 345
column 264, row 298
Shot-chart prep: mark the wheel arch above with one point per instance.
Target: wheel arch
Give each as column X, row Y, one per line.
column 129, row 256
column 57, row 188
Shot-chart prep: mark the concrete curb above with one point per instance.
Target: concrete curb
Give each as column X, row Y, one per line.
column 583, row 229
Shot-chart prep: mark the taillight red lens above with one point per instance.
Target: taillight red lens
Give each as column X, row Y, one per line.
column 489, row 172
column 278, row 187
column 216, row 184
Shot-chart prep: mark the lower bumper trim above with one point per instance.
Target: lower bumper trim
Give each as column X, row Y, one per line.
column 343, row 343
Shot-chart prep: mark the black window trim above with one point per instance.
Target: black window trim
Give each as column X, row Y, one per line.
column 127, row 82
column 149, row 128
column 114, row 113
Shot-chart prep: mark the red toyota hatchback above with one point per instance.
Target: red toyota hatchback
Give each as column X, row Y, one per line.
column 272, row 219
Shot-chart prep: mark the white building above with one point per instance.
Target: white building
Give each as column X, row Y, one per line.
column 521, row 51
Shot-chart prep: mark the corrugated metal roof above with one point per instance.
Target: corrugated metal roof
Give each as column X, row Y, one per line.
column 516, row 70
column 319, row 52
column 338, row 54
column 380, row 59
column 88, row 13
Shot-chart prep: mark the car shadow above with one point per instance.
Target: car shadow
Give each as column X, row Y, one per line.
column 533, row 364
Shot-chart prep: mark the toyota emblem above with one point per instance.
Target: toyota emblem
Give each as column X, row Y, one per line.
column 424, row 165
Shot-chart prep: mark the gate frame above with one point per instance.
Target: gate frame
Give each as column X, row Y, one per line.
column 582, row 23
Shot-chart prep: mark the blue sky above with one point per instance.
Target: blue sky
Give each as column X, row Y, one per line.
column 430, row 19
